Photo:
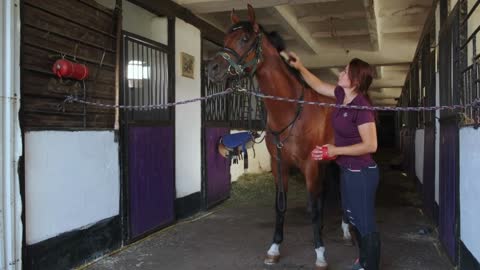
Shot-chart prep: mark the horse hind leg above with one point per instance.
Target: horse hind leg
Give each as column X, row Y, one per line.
column 318, row 203
column 347, row 235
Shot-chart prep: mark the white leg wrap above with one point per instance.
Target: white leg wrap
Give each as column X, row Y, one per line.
column 320, row 257
column 274, row 250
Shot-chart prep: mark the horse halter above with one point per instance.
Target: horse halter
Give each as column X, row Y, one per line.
column 239, row 67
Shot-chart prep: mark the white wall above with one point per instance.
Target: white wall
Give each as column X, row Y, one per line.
column 452, row 4
column 419, row 153
column 11, row 227
column 143, row 23
column 188, row 116
column 139, row 21
column 469, row 190
column 261, row 163
column 72, row 180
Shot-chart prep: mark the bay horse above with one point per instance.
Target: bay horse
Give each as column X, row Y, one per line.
column 293, row 130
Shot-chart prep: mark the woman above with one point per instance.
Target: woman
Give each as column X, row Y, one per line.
column 355, row 141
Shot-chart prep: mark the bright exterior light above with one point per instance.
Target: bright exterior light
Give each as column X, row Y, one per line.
column 137, row 70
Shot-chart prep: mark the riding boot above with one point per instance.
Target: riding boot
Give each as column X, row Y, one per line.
column 371, row 250
column 358, row 264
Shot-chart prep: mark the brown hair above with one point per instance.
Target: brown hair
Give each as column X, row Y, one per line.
column 360, row 74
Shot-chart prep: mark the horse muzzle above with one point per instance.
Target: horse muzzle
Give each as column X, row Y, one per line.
column 217, row 69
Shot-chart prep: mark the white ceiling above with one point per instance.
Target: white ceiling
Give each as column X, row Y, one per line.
column 328, row 33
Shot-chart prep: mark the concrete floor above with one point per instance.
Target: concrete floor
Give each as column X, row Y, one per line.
column 237, row 234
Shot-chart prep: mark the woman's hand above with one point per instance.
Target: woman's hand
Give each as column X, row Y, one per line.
column 318, row 85
column 294, row 61
column 325, row 152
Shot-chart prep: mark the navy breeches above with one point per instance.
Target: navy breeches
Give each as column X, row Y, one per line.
column 359, row 188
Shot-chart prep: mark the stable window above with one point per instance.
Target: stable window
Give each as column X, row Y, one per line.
column 147, row 79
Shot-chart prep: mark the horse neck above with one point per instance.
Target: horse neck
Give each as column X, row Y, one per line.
column 275, row 79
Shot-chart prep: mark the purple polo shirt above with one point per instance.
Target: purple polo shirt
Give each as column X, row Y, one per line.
column 345, row 125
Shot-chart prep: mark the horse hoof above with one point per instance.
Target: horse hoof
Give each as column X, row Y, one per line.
column 271, row 259
column 321, row 267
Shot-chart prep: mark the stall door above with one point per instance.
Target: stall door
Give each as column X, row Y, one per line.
column 448, row 213
column 149, row 136
column 430, row 130
column 216, row 178
column 448, row 187
column 429, row 170
column 217, row 169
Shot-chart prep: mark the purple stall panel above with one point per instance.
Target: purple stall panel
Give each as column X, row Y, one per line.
column 218, row 167
column 448, row 187
column 429, row 172
column 151, row 176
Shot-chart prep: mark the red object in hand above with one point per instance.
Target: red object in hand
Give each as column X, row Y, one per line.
column 66, row 69
column 325, row 155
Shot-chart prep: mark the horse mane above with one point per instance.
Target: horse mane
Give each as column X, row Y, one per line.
column 274, row 38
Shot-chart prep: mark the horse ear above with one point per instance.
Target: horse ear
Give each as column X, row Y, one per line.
column 251, row 16
column 234, row 17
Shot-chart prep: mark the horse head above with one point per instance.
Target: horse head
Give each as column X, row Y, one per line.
column 242, row 53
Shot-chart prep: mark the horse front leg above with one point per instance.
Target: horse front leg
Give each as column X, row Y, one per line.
column 273, row 253
column 315, row 186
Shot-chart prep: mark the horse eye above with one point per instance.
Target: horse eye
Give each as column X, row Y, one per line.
column 245, row 38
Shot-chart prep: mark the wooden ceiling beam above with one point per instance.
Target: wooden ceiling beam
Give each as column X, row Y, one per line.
column 290, row 20
column 372, row 63
column 346, row 33
column 211, row 6
column 327, row 18
column 371, row 14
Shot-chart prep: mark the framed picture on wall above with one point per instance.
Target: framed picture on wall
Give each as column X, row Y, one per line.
column 187, row 62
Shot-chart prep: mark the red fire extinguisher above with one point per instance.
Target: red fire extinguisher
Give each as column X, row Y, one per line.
column 67, row 69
